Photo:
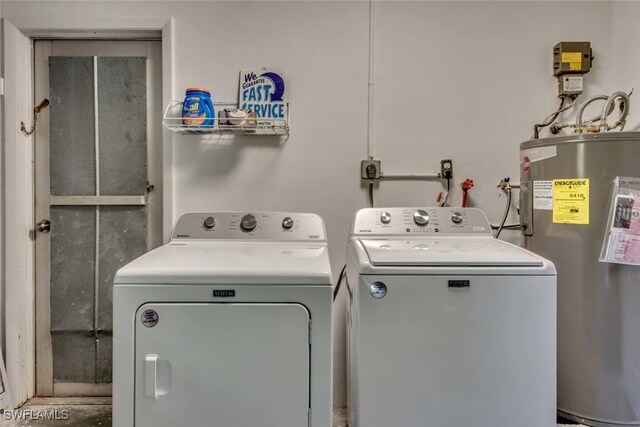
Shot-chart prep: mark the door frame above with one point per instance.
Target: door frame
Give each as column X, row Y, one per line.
column 16, row 162
column 43, row 49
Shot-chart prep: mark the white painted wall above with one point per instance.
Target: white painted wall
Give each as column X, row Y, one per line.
column 626, row 61
column 459, row 80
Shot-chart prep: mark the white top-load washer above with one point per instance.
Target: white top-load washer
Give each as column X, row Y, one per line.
column 447, row 325
column 228, row 325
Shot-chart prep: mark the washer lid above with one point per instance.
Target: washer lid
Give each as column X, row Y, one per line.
column 448, row 251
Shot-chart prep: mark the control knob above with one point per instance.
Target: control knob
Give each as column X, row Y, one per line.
column 287, row 223
column 209, row 222
column 456, row 217
column 248, row 222
column 385, row 217
column 421, row 217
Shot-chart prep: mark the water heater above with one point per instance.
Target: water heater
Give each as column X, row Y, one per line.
column 566, row 189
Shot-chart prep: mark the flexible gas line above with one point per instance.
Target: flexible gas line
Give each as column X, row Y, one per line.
column 581, row 126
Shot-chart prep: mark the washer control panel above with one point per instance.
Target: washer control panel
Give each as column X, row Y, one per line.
column 420, row 221
column 285, row 226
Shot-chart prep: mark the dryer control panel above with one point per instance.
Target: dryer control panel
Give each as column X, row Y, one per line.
column 284, row 226
column 420, row 222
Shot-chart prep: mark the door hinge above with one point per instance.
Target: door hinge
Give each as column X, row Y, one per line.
column 149, row 187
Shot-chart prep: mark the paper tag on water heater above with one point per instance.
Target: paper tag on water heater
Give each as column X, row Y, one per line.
column 543, row 195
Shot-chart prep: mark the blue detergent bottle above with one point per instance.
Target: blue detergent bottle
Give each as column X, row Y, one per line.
column 197, row 109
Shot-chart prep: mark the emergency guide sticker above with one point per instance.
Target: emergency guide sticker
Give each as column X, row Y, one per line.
column 265, row 93
column 571, row 201
column 543, row 195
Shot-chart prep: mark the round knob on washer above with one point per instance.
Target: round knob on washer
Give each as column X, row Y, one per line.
column 456, row 217
column 421, row 217
column 248, row 222
column 287, row 223
column 385, row 217
column 209, row 222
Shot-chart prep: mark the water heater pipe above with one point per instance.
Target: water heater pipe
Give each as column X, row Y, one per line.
column 622, row 120
column 370, row 93
column 579, row 123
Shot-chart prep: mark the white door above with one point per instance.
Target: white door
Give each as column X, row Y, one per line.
column 97, row 186
column 222, row 365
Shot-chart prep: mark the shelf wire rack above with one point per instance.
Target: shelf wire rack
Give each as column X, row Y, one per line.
column 173, row 121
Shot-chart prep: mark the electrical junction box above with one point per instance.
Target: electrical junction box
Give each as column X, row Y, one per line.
column 370, row 169
column 570, row 85
column 572, row 58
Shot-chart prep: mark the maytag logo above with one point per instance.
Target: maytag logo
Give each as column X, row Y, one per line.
column 224, row 293
column 459, row 283
column 364, row 231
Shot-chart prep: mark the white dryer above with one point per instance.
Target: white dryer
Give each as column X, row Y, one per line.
column 228, row 325
column 447, row 325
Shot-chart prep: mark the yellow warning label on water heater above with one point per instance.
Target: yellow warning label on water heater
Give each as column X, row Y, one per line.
column 571, row 201
column 575, row 65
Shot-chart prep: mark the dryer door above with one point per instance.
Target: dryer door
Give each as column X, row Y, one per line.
column 222, row 365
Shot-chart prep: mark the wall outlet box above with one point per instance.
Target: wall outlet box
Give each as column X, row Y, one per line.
column 446, row 169
column 370, row 169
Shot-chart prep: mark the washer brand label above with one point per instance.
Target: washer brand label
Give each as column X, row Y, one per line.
column 149, row 318
column 225, row 293
column 459, row 283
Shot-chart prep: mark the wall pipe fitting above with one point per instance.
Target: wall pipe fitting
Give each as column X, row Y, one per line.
column 411, row 176
column 622, row 119
column 579, row 124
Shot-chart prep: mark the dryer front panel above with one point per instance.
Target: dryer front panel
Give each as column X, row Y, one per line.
column 222, row 365
column 454, row 351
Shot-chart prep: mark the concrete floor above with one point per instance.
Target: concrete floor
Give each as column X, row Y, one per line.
column 85, row 412
column 96, row 412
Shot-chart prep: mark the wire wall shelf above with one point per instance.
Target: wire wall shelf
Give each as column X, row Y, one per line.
column 173, row 121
